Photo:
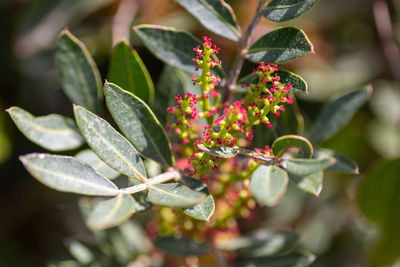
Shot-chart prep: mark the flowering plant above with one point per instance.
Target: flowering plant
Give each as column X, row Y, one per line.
column 214, row 175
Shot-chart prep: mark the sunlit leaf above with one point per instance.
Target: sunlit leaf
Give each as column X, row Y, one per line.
column 181, row 247
column 268, row 184
column 174, row 195
column 261, row 243
column 292, row 259
column 310, row 183
column 80, row 252
column 90, row 158
column 128, row 71
column 79, row 75
column 280, row 45
column 283, row 10
column 223, row 152
column 67, row 174
column 307, row 166
column 53, row 132
column 204, row 209
column 216, row 16
column 342, row 163
column 108, row 144
column 111, row 212
column 286, row 142
column 138, row 123
column 337, row 114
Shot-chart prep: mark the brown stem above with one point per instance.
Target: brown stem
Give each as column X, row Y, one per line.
column 238, row 61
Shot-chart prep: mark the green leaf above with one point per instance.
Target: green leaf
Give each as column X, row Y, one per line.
column 139, row 125
column 67, row 174
column 109, row 144
column 79, row 75
column 111, row 212
column 174, row 195
column 80, row 252
column 204, row 209
column 128, row 71
column 342, row 163
column 294, row 259
column 337, row 114
column 223, row 152
column 310, row 183
column 181, row 247
column 283, row 10
column 298, row 84
column 379, row 200
column 289, row 122
column 174, row 47
column 307, row 166
column 261, row 243
column 91, row 159
column 286, row 142
column 268, row 184
column 280, row 45
column 216, row 16
column 53, row 132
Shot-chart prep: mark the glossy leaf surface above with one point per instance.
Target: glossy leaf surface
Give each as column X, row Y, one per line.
column 310, row 183
column 337, row 114
column 108, row 144
column 268, row 184
column 67, row 174
column 111, row 212
column 279, row 46
column 174, row 195
column 342, row 163
column 53, row 132
column 128, row 71
column 283, row 10
column 216, row 16
column 223, row 152
column 307, row 166
column 174, row 47
column 284, row 143
column 139, row 124
column 204, row 209
column 80, row 78
column 90, row 158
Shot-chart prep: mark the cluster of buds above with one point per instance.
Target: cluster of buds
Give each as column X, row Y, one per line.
column 226, row 124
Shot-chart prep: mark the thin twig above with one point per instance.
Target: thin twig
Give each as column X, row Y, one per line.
column 238, row 61
column 164, row 177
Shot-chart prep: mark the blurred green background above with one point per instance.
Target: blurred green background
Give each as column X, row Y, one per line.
column 355, row 42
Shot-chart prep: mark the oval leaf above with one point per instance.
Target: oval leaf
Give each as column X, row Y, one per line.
column 310, row 183
column 128, row 71
column 91, row 159
column 139, row 125
column 174, row 47
column 111, row 212
column 67, row 174
column 261, row 243
column 80, row 78
column 338, row 113
column 283, row 10
column 109, row 144
column 280, row 45
column 283, row 143
column 223, row 152
column 216, row 16
column 307, row 166
column 342, row 163
column 292, row 259
column 174, row 195
column 268, row 184
column 53, row 132
column 181, row 247
column 204, row 209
